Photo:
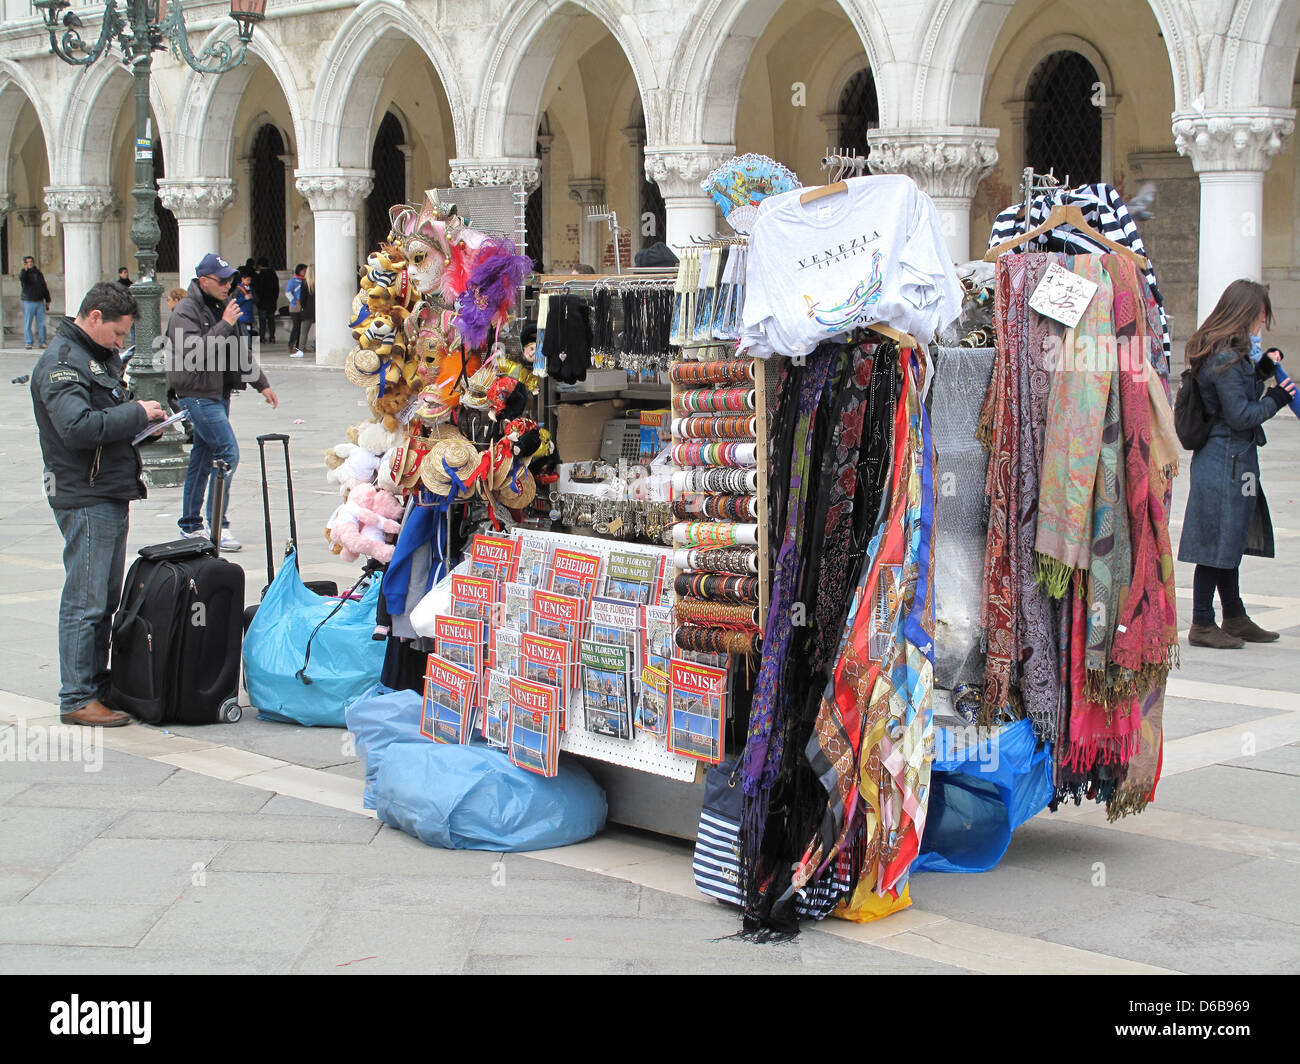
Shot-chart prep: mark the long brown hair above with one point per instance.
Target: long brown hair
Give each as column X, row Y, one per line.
column 1229, row 323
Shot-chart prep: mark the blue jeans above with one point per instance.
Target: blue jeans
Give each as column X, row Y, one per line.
column 94, row 556
column 33, row 315
column 214, row 441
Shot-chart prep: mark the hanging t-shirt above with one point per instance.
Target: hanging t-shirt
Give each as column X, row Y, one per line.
column 872, row 254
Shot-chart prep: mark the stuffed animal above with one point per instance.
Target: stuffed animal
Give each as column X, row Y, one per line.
column 382, row 332
column 360, row 527
column 392, row 404
column 384, row 280
column 357, row 461
column 506, row 399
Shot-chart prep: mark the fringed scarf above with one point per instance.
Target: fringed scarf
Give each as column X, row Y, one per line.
column 1139, row 786
column 1146, row 638
column 1076, row 412
column 1035, row 629
column 997, row 430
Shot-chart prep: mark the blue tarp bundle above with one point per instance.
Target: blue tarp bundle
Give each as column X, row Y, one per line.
column 345, row 660
column 464, row 797
column 979, row 795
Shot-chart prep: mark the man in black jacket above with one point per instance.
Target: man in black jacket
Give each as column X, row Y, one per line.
column 209, row 357
column 35, row 300
column 86, row 419
column 266, row 287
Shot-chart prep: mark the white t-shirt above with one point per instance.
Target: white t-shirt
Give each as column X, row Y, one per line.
column 873, row 254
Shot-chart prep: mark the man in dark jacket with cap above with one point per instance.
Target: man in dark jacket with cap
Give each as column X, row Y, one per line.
column 86, row 419
column 210, row 356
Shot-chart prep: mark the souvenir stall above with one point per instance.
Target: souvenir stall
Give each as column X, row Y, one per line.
column 873, row 542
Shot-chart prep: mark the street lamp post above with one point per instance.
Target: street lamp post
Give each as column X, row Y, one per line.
column 138, row 29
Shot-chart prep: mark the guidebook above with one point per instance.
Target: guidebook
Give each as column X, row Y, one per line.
column 505, row 651
column 657, row 648
column 652, row 703
column 533, row 740
column 534, row 560
column 459, row 639
column 494, row 557
column 617, row 621
column 496, row 709
column 632, row 576
column 559, row 617
column 548, row 661
column 606, row 688
column 518, row 600
column 574, row 573
column 447, row 715
column 696, row 707
column 473, row 597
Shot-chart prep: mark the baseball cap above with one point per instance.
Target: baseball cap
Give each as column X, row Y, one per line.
column 213, row 265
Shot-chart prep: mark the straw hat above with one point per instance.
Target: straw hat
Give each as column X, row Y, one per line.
column 521, row 494
column 362, row 367
column 502, row 462
column 406, row 459
column 456, row 454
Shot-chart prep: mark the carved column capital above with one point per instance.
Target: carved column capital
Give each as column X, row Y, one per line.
column 1224, row 141
column 202, row 198
column 86, row 204
column 946, row 163
column 334, row 190
column 494, row 172
column 678, row 171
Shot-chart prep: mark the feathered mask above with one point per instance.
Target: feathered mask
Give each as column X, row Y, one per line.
column 490, row 291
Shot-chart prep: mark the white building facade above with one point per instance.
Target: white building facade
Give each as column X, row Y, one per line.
column 342, row 108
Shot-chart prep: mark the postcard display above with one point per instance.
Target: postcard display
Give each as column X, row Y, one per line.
column 578, row 657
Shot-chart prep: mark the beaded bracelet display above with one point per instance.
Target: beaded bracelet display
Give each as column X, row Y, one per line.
column 716, row 427
column 698, row 453
column 720, row 614
column 703, row 640
column 740, row 560
column 714, row 534
column 729, row 371
column 719, row 481
column 717, row 507
column 717, row 587
column 713, row 400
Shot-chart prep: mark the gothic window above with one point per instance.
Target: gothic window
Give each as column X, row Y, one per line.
column 169, row 241
column 389, row 165
column 1063, row 121
column 859, row 112
column 268, row 198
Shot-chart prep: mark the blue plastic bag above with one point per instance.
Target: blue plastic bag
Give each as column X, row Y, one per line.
column 345, row 662
column 473, row 798
column 979, row 795
column 377, row 719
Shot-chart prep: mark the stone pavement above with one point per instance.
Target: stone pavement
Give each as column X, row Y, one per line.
column 244, row 848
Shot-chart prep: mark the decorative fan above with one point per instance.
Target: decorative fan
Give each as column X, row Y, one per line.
column 740, row 184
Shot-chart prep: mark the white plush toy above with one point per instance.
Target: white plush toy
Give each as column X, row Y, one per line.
column 361, row 460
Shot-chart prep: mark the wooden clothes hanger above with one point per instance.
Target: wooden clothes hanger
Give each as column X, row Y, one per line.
column 1066, row 214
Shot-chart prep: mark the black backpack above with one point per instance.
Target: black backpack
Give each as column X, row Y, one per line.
column 1190, row 420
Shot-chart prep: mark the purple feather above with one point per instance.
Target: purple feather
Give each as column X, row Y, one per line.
column 491, row 291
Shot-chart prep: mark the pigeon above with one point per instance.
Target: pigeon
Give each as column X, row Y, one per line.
column 1140, row 205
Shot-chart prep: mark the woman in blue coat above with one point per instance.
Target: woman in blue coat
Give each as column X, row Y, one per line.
column 1227, row 514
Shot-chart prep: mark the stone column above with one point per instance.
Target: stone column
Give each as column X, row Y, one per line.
column 589, row 192
column 6, row 205
column 678, row 172
column 1230, row 151
column 198, row 204
column 290, row 161
column 636, row 169
column 30, row 218
column 81, row 209
column 544, row 182
column 335, row 197
column 1295, row 197
column 947, row 163
column 1018, row 110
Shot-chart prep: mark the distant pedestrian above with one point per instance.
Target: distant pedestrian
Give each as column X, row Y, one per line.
column 203, row 329
column 243, row 295
column 124, row 277
column 174, row 297
column 266, row 287
column 35, row 300
column 86, row 419
column 293, row 292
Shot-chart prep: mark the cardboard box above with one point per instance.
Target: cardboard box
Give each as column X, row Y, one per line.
column 579, row 428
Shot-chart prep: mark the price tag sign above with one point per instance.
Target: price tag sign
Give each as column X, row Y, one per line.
column 1062, row 295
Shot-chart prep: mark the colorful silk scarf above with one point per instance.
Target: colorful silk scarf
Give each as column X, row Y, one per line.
column 1072, row 447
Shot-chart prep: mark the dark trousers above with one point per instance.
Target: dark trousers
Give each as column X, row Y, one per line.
column 1206, row 579
column 296, row 333
column 266, row 324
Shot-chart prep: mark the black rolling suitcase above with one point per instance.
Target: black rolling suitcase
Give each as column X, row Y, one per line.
column 177, row 636
column 321, row 587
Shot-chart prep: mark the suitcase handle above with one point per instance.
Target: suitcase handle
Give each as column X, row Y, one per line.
column 273, row 437
column 262, row 441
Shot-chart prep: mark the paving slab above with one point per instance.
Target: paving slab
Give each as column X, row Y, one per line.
column 1282, row 759
column 1258, row 888
column 245, row 826
column 135, row 871
column 1266, row 799
column 77, row 925
column 1189, row 716
column 242, row 912
column 89, row 960
column 352, row 941
column 42, row 839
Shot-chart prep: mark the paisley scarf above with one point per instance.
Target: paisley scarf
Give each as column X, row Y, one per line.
column 1071, row 450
